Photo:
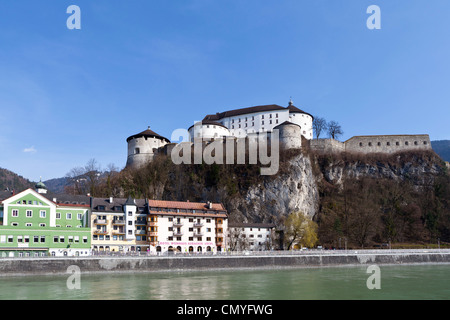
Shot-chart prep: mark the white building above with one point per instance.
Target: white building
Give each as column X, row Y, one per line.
column 241, row 122
column 250, row 236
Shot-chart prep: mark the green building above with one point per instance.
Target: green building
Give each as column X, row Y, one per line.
column 35, row 223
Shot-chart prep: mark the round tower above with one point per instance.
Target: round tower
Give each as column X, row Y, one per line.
column 290, row 135
column 301, row 118
column 143, row 146
column 208, row 130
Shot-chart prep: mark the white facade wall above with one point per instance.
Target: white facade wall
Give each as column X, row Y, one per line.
column 142, row 149
column 242, row 125
column 252, row 237
column 208, row 131
column 305, row 122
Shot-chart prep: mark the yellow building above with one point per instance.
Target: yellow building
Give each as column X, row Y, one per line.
column 119, row 225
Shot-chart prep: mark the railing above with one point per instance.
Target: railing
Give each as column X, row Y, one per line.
column 99, row 254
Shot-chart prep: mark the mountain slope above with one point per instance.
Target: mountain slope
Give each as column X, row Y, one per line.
column 12, row 181
column 442, row 148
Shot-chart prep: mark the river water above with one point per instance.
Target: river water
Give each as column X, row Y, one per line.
column 430, row 281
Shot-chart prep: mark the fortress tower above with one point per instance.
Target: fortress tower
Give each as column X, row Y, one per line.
column 143, row 146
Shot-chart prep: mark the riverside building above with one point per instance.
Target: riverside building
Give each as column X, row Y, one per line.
column 251, row 236
column 35, row 223
column 156, row 226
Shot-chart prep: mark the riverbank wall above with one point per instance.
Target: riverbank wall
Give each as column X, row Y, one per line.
column 51, row 265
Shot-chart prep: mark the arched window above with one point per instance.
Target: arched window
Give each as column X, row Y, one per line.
column 137, row 150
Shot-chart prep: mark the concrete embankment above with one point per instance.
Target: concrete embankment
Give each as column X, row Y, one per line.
column 32, row 266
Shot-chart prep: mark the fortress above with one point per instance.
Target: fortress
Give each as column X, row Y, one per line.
column 295, row 129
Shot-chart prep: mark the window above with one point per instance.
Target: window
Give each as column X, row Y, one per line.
column 42, row 214
column 42, row 239
column 35, row 239
column 79, row 216
column 68, row 216
column 29, row 213
column 14, row 224
column 58, row 215
column 10, row 239
column 28, row 224
column 137, row 151
column 15, row 213
column 55, row 239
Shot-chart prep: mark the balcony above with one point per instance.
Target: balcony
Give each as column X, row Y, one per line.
column 140, row 232
column 119, row 222
column 152, row 234
column 118, row 232
column 177, row 224
column 177, row 233
column 152, row 224
column 198, row 224
column 100, row 221
column 140, row 223
column 100, row 232
column 198, row 233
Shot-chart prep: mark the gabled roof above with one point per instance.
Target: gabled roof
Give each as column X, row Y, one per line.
column 210, row 122
column 148, row 133
column 185, row 205
column 237, row 112
column 255, row 109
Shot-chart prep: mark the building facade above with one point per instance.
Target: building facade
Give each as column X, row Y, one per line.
column 34, row 225
column 251, row 236
column 119, row 225
column 156, row 226
column 257, row 119
column 187, row 227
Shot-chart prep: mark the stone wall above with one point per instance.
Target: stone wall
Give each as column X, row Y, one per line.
column 327, row 145
column 33, row 266
column 387, row 143
column 374, row 144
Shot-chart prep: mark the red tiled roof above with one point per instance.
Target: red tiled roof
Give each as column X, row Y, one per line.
column 185, row 205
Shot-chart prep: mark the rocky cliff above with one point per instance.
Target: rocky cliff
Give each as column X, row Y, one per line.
column 412, row 186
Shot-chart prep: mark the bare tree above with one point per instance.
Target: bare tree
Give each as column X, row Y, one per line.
column 237, row 239
column 334, row 129
column 319, row 125
column 84, row 180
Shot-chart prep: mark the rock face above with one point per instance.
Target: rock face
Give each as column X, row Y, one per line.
column 271, row 199
column 418, row 167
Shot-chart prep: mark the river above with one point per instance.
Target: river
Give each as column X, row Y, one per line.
column 429, row 281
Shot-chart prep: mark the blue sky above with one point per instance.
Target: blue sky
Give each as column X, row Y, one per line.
column 67, row 96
